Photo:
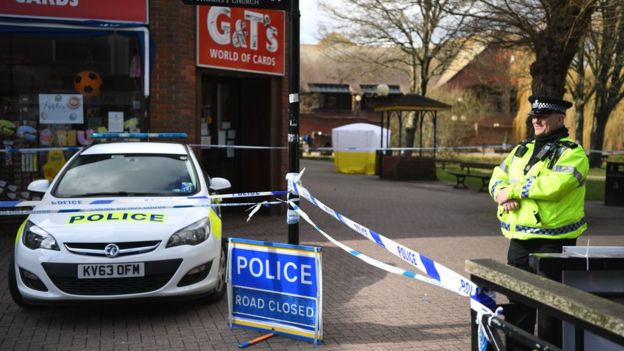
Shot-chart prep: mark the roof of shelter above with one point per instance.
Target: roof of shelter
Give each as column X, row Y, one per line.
column 411, row 102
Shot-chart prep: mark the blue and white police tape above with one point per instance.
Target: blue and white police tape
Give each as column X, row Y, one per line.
column 242, row 147
column 21, row 203
column 381, row 265
column 478, row 306
column 44, row 210
column 191, row 201
column 480, row 299
column 38, row 149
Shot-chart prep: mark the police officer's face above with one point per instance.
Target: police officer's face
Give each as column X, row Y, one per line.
column 546, row 123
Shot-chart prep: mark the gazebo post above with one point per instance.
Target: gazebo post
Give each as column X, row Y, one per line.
column 435, row 133
column 389, row 117
column 400, row 128
column 421, row 119
column 380, row 151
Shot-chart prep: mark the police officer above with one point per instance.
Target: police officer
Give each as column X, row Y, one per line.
column 540, row 191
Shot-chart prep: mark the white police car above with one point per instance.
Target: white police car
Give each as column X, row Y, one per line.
column 122, row 220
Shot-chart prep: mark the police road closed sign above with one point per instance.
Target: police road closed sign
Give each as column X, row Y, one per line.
column 240, row 39
column 275, row 287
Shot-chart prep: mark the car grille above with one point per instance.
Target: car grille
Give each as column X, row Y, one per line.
column 65, row 277
column 125, row 248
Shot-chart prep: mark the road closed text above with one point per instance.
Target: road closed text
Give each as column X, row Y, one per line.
column 275, row 306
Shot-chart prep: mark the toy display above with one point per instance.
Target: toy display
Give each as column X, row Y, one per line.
column 88, row 83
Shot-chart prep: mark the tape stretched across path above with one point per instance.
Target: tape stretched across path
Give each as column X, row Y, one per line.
column 441, row 275
column 129, row 204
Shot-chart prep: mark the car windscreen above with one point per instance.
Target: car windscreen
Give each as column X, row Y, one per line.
column 128, row 175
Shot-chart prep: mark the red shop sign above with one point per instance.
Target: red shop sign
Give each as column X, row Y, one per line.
column 127, row 11
column 240, row 39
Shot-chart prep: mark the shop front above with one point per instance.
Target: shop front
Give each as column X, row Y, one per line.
column 240, row 59
column 71, row 67
column 68, row 68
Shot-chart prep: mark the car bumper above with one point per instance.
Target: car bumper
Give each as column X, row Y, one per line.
column 166, row 274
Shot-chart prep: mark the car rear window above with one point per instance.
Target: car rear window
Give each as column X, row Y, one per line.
column 128, row 175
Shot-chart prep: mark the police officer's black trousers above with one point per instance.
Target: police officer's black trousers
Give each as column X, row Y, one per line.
column 549, row 328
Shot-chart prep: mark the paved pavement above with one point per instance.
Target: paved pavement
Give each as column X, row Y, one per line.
column 364, row 308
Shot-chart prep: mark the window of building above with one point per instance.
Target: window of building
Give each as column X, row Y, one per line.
column 331, row 97
column 60, row 85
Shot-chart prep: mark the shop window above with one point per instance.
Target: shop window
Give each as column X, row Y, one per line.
column 335, row 102
column 331, row 97
column 58, row 88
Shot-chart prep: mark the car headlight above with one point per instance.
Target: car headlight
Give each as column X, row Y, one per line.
column 193, row 234
column 34, row 238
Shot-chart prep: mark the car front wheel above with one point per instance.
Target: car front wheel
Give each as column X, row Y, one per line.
column 217, row 294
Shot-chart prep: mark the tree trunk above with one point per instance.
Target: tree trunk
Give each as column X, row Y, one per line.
column 578, row 91
column 600, row 121
column 579, row 120
column 556, row 46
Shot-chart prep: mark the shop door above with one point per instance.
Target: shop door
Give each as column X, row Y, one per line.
column 237, row 111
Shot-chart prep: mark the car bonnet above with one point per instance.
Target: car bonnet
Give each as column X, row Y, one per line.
column 118, row 225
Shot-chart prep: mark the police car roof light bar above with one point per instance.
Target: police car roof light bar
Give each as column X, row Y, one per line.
column 111, row 135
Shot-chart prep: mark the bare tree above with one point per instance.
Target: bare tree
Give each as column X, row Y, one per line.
column 609, row 72
column 424, row 31
column 418, row 36
column 579, row 84
column 553, row 29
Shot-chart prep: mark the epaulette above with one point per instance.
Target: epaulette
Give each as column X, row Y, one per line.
column 522, row 147
column 568, row 144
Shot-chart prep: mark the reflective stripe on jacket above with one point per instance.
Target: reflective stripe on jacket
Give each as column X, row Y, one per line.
column 551, row 199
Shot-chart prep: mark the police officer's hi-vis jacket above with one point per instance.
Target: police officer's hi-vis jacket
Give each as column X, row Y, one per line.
column 551, row 192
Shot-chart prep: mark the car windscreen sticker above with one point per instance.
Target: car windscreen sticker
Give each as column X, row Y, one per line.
column 98, row 217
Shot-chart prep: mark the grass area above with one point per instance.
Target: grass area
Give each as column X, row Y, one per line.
column 595, row 188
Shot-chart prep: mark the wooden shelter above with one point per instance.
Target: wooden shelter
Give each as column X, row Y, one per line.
column 404, row 166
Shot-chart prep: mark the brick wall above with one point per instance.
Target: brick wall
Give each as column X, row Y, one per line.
column 175, row 84
column 173, row 101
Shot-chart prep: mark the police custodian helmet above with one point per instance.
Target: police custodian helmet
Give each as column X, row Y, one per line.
column 541, row 105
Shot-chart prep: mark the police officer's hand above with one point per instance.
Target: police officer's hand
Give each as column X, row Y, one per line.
column 501, row 196
column 511, row 205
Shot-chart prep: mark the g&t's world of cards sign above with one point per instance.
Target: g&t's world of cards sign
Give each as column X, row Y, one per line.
column 275, row 288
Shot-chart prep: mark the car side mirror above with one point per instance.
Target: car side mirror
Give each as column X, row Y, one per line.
column 217, row 184
column 39, row 186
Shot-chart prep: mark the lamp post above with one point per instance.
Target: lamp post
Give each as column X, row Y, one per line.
column 293, row 114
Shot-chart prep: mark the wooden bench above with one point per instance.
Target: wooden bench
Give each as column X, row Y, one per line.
column 461, row 176
column 444, row 162
column 583, row 310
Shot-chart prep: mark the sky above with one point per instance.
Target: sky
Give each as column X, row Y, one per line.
column 309, row 21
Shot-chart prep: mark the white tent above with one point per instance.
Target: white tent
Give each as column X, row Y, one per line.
column 355, row 145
